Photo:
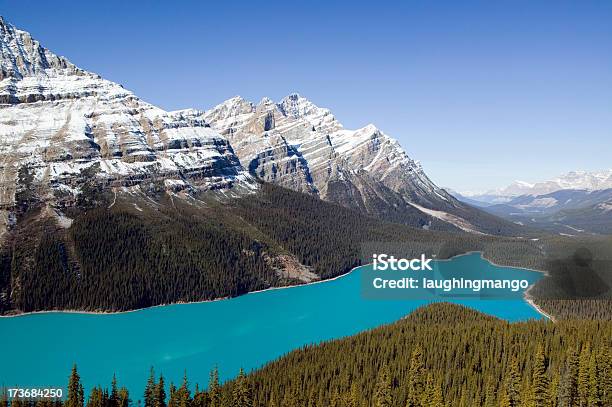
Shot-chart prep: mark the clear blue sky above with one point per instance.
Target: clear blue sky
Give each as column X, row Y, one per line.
column 482, row 92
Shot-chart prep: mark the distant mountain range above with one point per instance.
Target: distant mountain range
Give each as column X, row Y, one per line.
column 575, row 203
column 580, row 180
column 566, row 211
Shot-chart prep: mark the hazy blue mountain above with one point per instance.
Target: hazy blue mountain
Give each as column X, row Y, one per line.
column 565, row 211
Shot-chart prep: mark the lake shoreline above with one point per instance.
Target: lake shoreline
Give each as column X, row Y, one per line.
column 526, row 296
column 73, row 311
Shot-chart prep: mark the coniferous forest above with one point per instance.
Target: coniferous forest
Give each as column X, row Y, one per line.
column 141, row 251
column 439, row 355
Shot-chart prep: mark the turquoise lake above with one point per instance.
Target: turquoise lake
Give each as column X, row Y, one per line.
column 247, row 332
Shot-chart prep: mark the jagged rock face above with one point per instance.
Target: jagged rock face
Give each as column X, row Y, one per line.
column 303, row 147
column 23, row 56
column 58, row 122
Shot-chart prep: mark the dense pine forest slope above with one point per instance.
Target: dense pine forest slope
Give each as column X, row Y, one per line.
column 132, row 250
column 440, row 355
column 446, row 354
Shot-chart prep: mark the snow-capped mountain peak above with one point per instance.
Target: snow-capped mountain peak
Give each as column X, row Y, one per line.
column 589, row 181
column 302, row 146
column 58, row 122
column 265, row 101
column 21, row 55
column 523, row 184
column 298, row 107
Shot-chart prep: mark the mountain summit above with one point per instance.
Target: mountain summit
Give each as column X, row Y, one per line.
column 304, row 147
column 21, row 56
column 61, row 126
column 299, row 145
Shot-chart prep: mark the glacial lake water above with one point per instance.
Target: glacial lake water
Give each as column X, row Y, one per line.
column 38, row 350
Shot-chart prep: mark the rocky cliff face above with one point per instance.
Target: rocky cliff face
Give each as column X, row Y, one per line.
column 59, row 123
column 298, row 145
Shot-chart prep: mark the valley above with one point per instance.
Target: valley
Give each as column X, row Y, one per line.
column 577, row 203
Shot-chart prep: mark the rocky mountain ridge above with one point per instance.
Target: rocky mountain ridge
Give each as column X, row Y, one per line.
column 60, row 124
column 573, row 180
column 298, row 145
column 302, row 146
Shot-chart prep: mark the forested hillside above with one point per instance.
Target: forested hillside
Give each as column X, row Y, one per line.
column 440, row 355
column 135, row 250
column 579, row 277
column 446, row 354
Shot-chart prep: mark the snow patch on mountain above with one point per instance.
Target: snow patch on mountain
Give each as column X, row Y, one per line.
column 452, row 219
column 605, row 206
column 546, row 202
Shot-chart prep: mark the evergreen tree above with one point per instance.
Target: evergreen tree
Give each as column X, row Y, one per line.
column 75, row 390
column 149, row 393
column 569, row 391
column 242, row 392
column 123, row 397
column 354, row 396
column 336, row 399
column 490, row 399
column 511, row 394
column 181, row 397
column 96, row 398
column 160, row 393
column 173, row 399
column 540, row 396
column 435, row 398
column 583, row 375
column 200, row 398
column 416, row 379
column 595, row 393
column 554, row 391
column 114, row 395
column 382, row 392
column 214, row 391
